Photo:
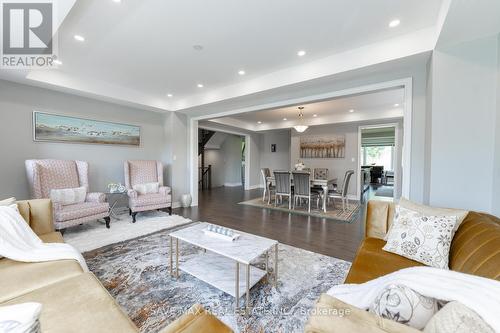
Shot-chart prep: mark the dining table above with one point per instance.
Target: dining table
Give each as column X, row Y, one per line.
column 324, row 183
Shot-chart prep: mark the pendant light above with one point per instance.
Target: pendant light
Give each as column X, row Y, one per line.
column 301, row 128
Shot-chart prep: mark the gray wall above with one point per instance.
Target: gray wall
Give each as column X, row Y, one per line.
column 17, row 103
column 464, row 111
column 279, row 160
column 495, row 203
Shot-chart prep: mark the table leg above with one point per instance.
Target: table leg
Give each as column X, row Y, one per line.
column 112, row 211
column 177, row 257
column 276, row 265
column 248, row 291
column 237, row 286
column 267, row 263
column 171, row 256
column 325, row 195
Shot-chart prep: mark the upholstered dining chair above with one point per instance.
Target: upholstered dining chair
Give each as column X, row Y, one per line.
column 283, row 183
column 47, row 175
column 142, row 172
column 321, row 173
column 302, row 189
column 268, row 187
column 343, row 191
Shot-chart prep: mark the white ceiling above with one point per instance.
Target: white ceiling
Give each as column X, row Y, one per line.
column 138, row 51
column 375, row 105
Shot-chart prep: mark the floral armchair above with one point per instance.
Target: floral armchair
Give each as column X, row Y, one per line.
column 143, row 172
column 46, row 175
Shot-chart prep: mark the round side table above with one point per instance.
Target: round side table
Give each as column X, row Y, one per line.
column 113, row 198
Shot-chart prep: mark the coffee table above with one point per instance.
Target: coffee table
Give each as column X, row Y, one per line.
column 223, row 261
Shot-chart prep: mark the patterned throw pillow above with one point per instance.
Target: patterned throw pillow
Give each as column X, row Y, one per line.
column 426, row 239
column 68, row 196
column 146, row 188
column 404, row 305
column 455, row 317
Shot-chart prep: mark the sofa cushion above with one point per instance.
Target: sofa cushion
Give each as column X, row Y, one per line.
column 372, row 262
column 19, row 278
column 78, row 304
column 52, row 237
column 76, row 211
column 150, row 199
column 331, row 315
column 196, row 320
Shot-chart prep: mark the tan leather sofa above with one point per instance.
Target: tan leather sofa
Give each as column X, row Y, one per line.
column 475, row 249
column 73, row 301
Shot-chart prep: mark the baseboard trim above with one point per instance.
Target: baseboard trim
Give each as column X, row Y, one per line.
column 232, row 184
column 254, row 187
column 176, row 204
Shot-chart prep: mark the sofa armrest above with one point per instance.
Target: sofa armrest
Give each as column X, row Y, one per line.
column 132, row 193
column 165, row 190
column 195, row 320
column 331, row 315
column 38, row 214
column 95, row 197
column 379, row 216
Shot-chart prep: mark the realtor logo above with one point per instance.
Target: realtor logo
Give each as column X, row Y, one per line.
column 27, row 34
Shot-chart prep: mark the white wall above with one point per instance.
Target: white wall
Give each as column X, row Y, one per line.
column 495, row 202
column 231, row 153
column 17, row 103
column 464, row 124
column 279, row 160
column 337, row 166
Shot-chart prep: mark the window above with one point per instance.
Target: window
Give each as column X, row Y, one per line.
column 380, row 155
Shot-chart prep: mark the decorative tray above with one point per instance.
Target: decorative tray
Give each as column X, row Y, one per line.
column 221, row 233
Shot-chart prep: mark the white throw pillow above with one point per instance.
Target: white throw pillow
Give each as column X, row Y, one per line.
column 404, row 305
column 68, row 196
column 11, row 202
column 20, row 318
column 426, row 239
column 455, row 317
column 147, row 188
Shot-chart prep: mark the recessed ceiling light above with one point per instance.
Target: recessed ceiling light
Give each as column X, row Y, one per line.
column 394, row 23
column 351, row 110
column 285, row 119
column 241, row 72
column 79, row 38
column 117, row 1
column 396, row 105
column 301, row 53
column 315, row 115
column 57, row 62
column 199, row 85
column 259, row 122
column 170, row 95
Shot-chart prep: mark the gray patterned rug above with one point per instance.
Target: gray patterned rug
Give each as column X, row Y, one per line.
column 136, row 273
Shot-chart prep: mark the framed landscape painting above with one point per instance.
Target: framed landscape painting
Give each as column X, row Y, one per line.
column 58, row 128
column 322, row 146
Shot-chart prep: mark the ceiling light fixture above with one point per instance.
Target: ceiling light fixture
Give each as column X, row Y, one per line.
column 394, row 23
column 170, row 95
column 117, row 1
column 199, row 85
column 301, row 53
column 351, row 110
column 241, row 72
column 285, row 119
column 315, row 115
column 57, row 62
column 396, row 105
column 259, row 122
column 301, row 128
column 79, row 38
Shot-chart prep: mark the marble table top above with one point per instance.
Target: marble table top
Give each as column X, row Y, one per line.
column 245, row 249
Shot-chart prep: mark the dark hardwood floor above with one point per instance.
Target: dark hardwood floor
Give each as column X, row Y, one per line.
column 336, row 239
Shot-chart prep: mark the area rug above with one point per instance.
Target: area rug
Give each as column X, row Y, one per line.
column 93, row 235
column 136, row 273
column 385, row 191
column 332, row 212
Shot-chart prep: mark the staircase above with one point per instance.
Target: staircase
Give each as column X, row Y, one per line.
column 205, row 174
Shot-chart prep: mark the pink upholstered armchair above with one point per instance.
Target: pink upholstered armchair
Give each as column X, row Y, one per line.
column 144, row 172
column 46, row 175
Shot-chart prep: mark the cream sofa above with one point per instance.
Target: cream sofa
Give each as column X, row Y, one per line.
column 73, row 301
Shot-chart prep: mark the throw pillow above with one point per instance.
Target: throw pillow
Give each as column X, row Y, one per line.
column 147, row 188
column 455, row 317
column 68, row 196
column 404, row 305
column 11, row 202
column 20, row 318
column 426, row 239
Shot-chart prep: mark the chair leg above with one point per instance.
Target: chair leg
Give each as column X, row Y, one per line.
column 294, row 201
column 107, row 219
column 170, row 210
column 130, row 212
column 290, row 202
column 264, row 194
column 309, row 203
column 134, row 214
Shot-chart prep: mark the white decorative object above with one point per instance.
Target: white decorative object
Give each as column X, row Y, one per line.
column 68, row 196
column 300, row 166
column 20, row 318
column 426, row 239
column 186, row 200
column 116, row 188
column 147, row 188
column 221, row 232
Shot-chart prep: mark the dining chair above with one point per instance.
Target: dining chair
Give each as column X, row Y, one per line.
column 321, row 173
column 343, row 191
column 283, row 187
column 268, row 187
column 302, row 188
